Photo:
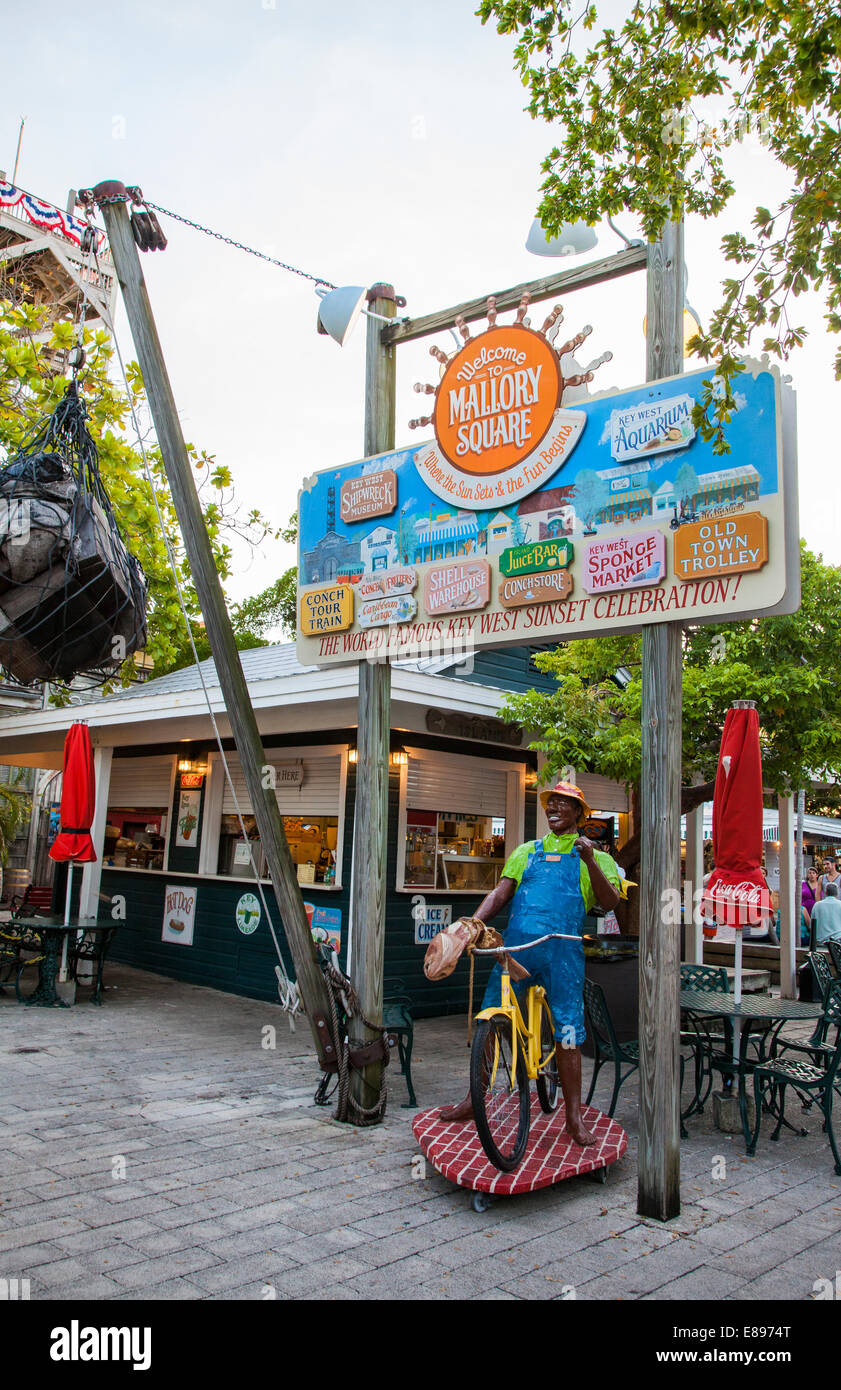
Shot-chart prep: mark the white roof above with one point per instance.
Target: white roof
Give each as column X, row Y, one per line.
column 287, row 697
column 816, row 827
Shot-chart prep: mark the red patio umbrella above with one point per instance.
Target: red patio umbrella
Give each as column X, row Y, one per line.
column 78, row 800
column 737, row 893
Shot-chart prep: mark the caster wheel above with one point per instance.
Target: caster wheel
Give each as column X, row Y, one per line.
column 480, row 1201
column 599, row 1175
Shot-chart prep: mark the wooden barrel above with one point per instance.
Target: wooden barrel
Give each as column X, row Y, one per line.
column 15, row 882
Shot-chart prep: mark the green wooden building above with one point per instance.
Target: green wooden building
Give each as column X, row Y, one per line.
column 178, row 847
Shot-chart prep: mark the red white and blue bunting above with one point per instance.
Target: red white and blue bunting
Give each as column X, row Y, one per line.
column 44, row 215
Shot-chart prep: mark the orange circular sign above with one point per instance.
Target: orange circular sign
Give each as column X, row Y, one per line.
column 497, row 399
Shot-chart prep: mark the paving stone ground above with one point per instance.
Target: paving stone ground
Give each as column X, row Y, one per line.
column 156, row 1148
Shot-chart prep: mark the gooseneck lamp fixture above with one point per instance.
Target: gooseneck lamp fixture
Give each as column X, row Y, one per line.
column 339, row 310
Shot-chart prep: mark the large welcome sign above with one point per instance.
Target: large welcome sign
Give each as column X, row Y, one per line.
column 521, row 520
column 498, row 424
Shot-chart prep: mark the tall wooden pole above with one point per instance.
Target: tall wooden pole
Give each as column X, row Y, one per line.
column 658, row 1192
column 370, row 823
column 218, row 625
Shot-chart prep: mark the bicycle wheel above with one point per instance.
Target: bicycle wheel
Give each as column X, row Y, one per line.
column 500, row 1096
column 547, row 1077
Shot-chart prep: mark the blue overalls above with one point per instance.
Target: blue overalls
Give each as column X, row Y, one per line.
column 548, row 900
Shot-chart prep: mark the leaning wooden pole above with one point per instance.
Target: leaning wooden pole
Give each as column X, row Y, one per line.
column 370, row 824
column 658, row 1193
column 111, row 197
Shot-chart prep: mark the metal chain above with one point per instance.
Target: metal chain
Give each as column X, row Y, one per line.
column 238, row 245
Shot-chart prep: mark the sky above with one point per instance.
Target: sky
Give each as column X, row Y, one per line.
column 363, row 143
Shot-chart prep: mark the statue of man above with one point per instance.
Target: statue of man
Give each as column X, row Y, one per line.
column 552, row 884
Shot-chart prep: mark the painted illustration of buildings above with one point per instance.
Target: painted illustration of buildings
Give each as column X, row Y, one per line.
column 379, row 549
column 665, row 498
column 498, row 534
column 547, row 513
column 631, row 505
column 444, row 536
column 330, row 558
column 726, row 485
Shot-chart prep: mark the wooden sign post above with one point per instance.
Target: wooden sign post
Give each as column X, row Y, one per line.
column 658, row 1192
column 214, row 611
column 370, row 821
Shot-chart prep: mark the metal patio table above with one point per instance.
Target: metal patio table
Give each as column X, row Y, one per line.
column 752, row 1009
column 52, row 930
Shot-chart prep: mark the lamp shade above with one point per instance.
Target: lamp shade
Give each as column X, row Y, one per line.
column 572, row 240
column 340, row 309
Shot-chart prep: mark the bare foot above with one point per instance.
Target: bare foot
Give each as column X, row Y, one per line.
column 462, row 1111
column 579, row 1133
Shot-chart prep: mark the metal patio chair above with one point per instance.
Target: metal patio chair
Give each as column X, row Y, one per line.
column 811, row 1082
column 606, row 1046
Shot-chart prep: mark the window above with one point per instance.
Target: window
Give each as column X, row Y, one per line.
column 310, row 795
column 460, row 817
column 138, row 812
column 312, row 844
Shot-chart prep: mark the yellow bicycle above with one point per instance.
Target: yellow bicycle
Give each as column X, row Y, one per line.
column 509, row 1051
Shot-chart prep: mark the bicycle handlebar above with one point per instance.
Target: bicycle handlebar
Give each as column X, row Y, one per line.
column 527, row 945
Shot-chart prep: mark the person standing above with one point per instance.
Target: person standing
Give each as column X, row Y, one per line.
column 553, row 883
column 830, row 874
column 811, row 890
column 826, row 916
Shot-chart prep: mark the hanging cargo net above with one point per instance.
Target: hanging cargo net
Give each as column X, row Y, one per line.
column 72, row 597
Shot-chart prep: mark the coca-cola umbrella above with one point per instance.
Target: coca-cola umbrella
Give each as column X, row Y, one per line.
column 736, row 893
column 73, row 845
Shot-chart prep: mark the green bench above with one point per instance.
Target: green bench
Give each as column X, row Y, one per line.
column 397, row 1019
column 20, row 949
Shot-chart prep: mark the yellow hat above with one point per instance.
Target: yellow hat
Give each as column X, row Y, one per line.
column 567, row 789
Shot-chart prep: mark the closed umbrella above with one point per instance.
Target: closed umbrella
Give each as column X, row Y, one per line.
column 736, row 893
column 73, row 844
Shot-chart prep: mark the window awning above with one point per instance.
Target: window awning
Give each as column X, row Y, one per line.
column 464, row 531
column 814, row 827
column 637, row 494
column 721, row 484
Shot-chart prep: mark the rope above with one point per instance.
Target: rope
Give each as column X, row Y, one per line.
column 341, row 993
column 287, row 989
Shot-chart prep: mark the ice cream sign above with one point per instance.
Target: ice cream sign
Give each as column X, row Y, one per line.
column 651, row 428
column 624, row 562
column 454, row 587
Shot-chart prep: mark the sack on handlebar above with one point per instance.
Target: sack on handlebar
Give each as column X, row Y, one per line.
column 445, row 949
